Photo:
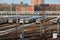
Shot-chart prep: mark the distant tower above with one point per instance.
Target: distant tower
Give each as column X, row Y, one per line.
column 36, row 2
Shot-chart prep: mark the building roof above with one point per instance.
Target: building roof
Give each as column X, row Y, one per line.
column 54, row 4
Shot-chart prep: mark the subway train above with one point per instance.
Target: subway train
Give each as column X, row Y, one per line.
column 58, row 21
column 55, row 20
column 10, row 20
column 45, row 19
column 38, row 20
column 13, row 20
column 21, row 21
column 35, row 17
column 31, row 19
column 3, row 20
column 16, row 19
column 24, row 20
column 27, row 20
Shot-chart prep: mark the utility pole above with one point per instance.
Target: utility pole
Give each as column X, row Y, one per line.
column 11, row 7
column 41, row 35
column 0, row 35
column 43, row 16
column 58, row 25
column 22, row 31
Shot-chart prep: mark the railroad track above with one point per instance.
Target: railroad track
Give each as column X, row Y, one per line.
column 11, row 28
column 29, row 32
column 2, row 25
column 8, row 28
column 50, row 30
column 52, row 26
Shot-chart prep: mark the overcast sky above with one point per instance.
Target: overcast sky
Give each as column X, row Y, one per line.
column 29, row 1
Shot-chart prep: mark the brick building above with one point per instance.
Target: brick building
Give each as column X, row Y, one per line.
column 16, row 7
column 25, row 7
column 5, row 7
column 36, row 2
column 36, row 5
column 47, row 7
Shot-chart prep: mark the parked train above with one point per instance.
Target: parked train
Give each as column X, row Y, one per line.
column 28, row 20
column 25, row 20
column 56, row 20
column 3, row 20
column 45, row 19
column 38, row 20
column 21, row 21
column 14, row 20
column 31, row 19
column 10, row 20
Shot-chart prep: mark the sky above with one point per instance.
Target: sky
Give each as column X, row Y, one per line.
column 29, row 1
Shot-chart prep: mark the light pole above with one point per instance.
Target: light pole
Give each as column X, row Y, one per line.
column 22, row 31
column 11, row 7
column 38, row 13
column 41, row 30
column 58, row 25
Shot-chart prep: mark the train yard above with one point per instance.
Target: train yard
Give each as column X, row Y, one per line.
column 28, row 28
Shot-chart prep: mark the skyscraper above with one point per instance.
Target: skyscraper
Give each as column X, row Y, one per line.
column 36, row 2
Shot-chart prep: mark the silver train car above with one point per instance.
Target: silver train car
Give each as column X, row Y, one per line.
column 21, row 21
column 28, row 20
column 10, row 20
column 55, row 21
column 34, row 18
column 16, row 20
column 41, row 19
column 38, row 20
column 58, row 21
column 31, row 19
column 13, row 20
column 3, row 21
column 50, row 19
